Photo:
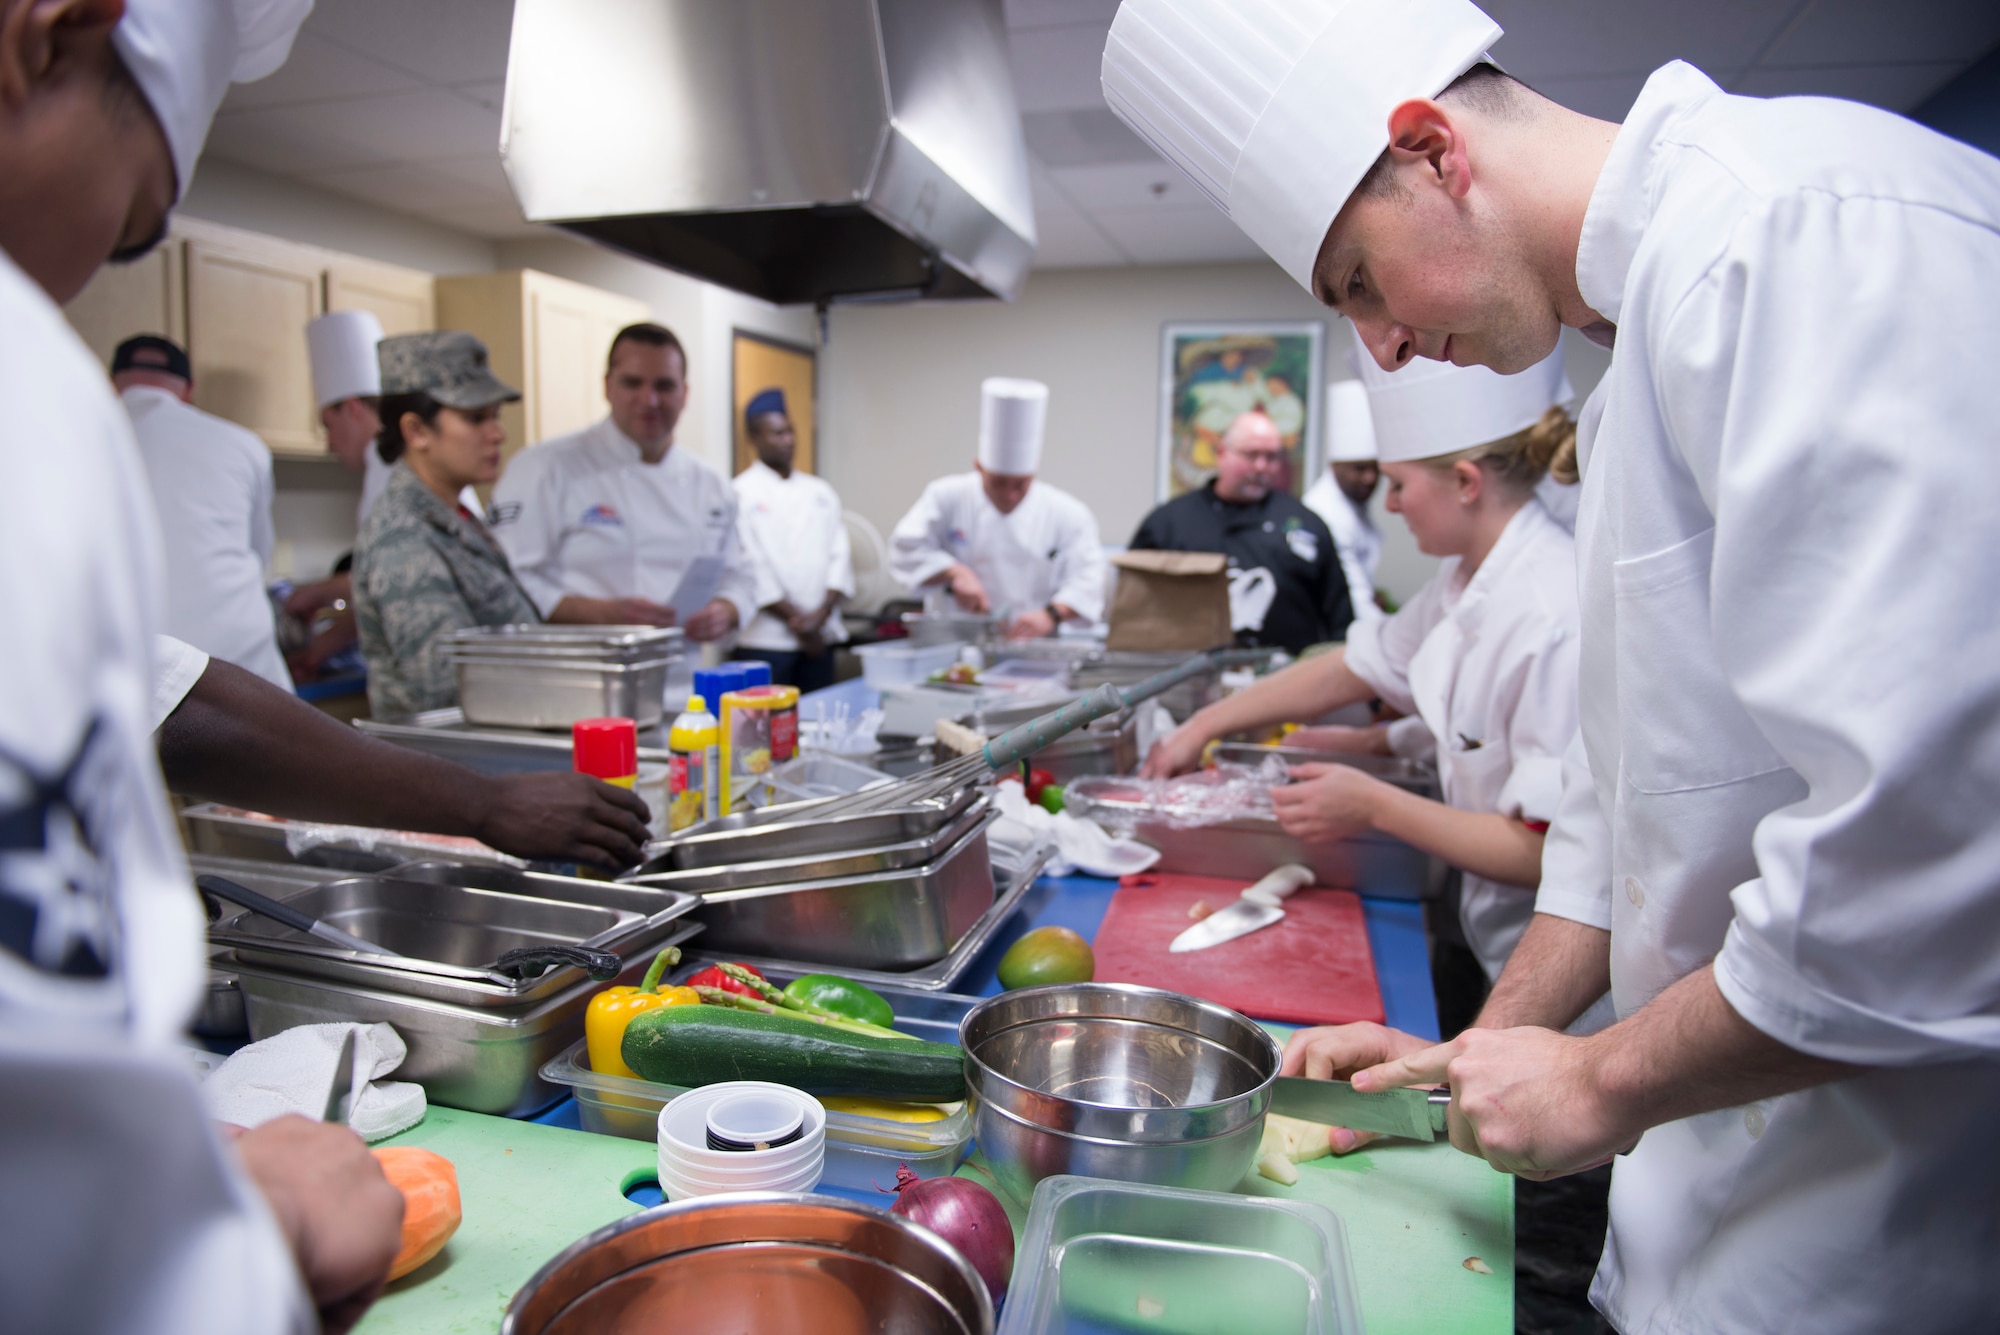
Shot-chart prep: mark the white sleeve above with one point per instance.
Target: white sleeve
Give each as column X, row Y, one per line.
column 767, row 588
column 917, row 552
column 1080, row 570
column 1358, row 593
column 1576, row 855
column 840, row 562
column 1379, row 650
column 740, row 584
column 177, row 666
column 527, row 516
column 1830, row 386
column 263, row 536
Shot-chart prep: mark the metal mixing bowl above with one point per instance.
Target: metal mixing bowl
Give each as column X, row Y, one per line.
column 755, row 1262
column 1115, row 1081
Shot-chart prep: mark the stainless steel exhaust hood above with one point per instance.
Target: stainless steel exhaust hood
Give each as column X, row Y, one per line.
column 797, row 150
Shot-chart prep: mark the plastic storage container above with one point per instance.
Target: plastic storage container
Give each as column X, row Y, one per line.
column 1112, row 1256
column 820, row 774
column 900, row 663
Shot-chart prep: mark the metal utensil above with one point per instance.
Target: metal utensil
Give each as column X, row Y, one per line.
column 224, row 888
column 338, row 1106
column 1416, row 1114
column 1256, row 908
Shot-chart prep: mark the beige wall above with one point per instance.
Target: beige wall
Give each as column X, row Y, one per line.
column 899, row 386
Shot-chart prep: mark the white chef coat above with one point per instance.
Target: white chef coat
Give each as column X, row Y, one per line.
column 375, row 477
column 212, row 488
column 586, row 514
column 1355, row 536
column 1490, row 666
column 795, row 534
column 1791, row 672
column 1046, row 551
column 119, row 1208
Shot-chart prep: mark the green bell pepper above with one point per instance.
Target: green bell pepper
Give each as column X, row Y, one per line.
column 842, row 996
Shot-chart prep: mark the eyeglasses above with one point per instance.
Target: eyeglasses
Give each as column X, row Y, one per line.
column 1263, row 458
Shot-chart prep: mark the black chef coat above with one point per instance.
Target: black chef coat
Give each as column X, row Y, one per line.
column 1285, row 578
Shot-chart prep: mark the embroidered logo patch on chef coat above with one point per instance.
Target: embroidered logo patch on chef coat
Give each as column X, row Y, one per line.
column 603, row 516
column 1303, row 542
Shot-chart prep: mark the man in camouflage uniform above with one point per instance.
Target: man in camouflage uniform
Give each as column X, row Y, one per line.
column 425, row 566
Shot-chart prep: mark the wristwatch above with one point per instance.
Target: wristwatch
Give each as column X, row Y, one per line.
column 1054, row 615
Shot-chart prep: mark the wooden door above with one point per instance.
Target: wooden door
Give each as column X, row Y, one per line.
column 248, row 303
column 404, row 300
column 147, row 296
column 760, row 363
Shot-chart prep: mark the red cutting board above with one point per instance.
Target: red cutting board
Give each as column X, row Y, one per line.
column 1312, row 968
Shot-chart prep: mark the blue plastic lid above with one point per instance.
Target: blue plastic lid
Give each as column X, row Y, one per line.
column 710, row 683
column 755, row 671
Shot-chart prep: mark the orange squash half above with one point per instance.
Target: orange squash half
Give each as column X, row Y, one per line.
column 431, row 1211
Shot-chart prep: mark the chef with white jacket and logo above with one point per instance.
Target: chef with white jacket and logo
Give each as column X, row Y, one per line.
column 1343, row 491
column 1776, row 842
column 998, row 540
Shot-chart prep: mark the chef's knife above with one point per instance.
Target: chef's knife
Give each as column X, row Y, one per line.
column 1416, row 1114
column 1257, row 908
column 338, row 1106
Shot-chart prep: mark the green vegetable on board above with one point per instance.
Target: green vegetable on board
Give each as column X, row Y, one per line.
column 842, row 996
column 709, row 1044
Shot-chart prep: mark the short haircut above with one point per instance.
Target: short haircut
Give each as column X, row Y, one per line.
column 652, row 335
column 1486, row 89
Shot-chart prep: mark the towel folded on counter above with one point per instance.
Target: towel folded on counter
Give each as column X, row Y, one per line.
column 1080, row 845
column 292, row 1072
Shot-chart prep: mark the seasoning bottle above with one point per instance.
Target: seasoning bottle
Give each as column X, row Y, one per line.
column 691, row 743
column 607, row 748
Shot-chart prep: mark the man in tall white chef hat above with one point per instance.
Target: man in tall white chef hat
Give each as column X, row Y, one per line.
column 1342, row 493
column 347, row 384
column 997, row 539
column 1776, row 842
column 122, row 1206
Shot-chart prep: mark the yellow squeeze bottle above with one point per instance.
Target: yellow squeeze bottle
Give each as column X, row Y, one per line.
column 691, row 744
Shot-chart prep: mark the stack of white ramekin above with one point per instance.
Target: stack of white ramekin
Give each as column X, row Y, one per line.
column 750, row 1112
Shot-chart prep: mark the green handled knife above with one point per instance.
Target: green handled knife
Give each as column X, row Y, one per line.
column 1416, row 1114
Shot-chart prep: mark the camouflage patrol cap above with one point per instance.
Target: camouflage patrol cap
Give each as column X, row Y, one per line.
column 447, row 364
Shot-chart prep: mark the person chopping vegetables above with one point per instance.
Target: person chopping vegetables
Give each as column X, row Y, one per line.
column 1775, row 842
column 1485, row 654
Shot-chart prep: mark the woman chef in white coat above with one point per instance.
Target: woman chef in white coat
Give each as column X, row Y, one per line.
column 997, row 539
column 1485, row 654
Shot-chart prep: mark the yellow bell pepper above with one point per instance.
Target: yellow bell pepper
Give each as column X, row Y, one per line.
column 615, row 1007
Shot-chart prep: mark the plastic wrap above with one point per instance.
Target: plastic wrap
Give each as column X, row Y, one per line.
column 1207, row 797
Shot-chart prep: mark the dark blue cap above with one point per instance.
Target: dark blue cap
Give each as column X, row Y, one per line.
column 765, row 401
column 150, row 352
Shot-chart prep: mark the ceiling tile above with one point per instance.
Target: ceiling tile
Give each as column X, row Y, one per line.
column 317, row 71
column 1081, row 138
column 1177, row 236
column 1869, row 32
column 1065, row 239
column 488, row 93
column 406, row 188
column 1060, row 13
column 481, row 171
column 1132, row 185
column 497, row 221
column 441, row 41
column 1056, row 69
column 401, row 127
column 1894, row 87
column 1571, row 38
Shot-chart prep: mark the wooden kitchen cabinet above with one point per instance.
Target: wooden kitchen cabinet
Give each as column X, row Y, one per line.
column 147, row 296
column 404, row 300
column 546, row 336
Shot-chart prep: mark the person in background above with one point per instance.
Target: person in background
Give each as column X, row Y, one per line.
column 424, row 565
column 122, row 1206
column 1286, row 584
column 796, row 536
column 997, row 541
column 212, row 488
column 1341, row 495
column 604, row 525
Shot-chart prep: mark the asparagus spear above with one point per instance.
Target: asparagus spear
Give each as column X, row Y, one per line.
column 716, row 996
column 766, row 989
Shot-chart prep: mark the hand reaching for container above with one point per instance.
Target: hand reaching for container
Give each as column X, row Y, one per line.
column 1336, row 1052
column 1327, row 802
column 967, row 589
column 563, row 817
column 1176, row 753
column 712, row 622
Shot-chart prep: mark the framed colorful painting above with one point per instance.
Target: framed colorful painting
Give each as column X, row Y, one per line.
column 1212, row 373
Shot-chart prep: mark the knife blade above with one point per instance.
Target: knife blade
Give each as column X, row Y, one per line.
column 337, row 1104
column 1416, row 1114
column 1257, row 908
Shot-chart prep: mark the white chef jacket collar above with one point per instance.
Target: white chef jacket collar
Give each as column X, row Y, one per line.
column 1492, row 571
column 1621, row 204
column 613, row 432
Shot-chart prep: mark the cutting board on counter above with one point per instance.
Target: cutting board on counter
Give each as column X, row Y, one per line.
column 1314, row 967
column 528, row 1192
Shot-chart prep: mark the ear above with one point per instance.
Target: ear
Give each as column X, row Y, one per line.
column 1422, row 131
column 34, row 34
column 1470, row 481
column 414, row 430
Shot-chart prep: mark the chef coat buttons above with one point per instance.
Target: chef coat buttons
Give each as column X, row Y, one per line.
column 1753, row 1120
column 1635, row 892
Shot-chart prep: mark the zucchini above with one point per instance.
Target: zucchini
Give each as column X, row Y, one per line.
column 704, row 1045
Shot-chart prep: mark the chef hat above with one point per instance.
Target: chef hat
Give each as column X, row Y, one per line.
column 1432, row 408
column 1011, row 414
column 341, row 347
column 184, row 54
column 1350, row 431
column 1277, row 108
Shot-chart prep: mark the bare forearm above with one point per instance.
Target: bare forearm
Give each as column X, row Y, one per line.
column 576, row 610
column 1558, row 969
column 1484, row 843
column 1302, row 691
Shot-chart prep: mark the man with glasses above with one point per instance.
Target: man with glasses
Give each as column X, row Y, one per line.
column 1286, row 585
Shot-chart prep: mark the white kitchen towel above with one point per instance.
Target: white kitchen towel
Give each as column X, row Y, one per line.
column 291, row 1072
column 1081, row 845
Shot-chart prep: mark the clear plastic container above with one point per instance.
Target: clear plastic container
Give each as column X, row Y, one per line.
column 900, row 663
column 1114, row 1256
column 820, row 774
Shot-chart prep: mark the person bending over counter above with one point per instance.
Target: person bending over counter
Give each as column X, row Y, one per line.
column 998, row 541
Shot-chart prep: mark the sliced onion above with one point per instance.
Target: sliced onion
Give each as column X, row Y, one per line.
column 967, row 1216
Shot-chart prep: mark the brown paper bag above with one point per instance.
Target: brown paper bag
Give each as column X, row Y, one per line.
column 1170, row 600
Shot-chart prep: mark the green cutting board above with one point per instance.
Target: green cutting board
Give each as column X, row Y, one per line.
column 528, row 1191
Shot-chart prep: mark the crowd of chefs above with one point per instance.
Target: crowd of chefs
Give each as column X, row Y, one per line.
column 1737, row 730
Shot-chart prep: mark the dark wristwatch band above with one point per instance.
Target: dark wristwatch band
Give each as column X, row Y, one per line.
column 1054, row 615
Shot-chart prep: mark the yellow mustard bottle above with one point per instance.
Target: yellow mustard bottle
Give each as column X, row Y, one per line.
column 690, row 768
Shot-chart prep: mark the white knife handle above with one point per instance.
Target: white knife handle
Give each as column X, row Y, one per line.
column 1280, row 885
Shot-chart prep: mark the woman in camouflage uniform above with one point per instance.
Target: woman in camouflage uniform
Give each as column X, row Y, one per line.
column 424, row 565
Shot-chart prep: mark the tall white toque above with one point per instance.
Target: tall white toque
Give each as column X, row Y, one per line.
column 1431, row 408
column 184, row 54
column 1350, row 430
column 341, row 348
column 1011, row 416
column 1278, row 108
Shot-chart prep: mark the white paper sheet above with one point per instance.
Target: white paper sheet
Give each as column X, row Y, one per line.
column 697, row 587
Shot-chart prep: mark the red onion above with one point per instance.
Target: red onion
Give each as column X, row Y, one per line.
column 967, row 1216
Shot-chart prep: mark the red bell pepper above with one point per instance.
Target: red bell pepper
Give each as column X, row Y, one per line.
column 714, row 977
